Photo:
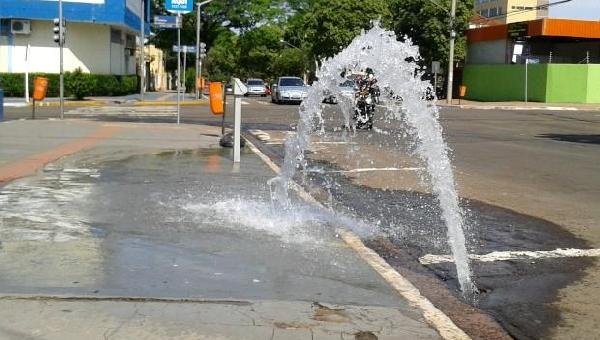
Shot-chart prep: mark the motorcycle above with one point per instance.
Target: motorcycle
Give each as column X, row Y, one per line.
column 366, row 97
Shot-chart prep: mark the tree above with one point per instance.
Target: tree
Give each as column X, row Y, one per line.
column 427, row 23
column 325, row 27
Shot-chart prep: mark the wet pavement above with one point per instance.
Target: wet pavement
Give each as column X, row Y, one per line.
column 158, row 214
column 529, row 182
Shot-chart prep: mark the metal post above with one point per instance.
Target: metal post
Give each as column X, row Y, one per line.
column 61, row 31
column 237, row 125
column 178, row 67
column 526, row 76
column 435, row 84
column 142, row 57
column 197, row 50
column 184, row 73
column 224, row 113
column 451, row 54
column 27, row 73
column 198, row 62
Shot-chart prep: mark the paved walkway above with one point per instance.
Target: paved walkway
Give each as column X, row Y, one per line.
column 115, row 230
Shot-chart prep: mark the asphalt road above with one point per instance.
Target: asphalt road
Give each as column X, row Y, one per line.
column 529, row 182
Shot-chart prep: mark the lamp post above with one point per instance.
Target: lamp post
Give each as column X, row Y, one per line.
column 298, row 48
column 198, row 61
column 142, row 57
column 451, row 53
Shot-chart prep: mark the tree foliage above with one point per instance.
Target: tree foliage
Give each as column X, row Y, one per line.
column 427, row 23
column 250, row 45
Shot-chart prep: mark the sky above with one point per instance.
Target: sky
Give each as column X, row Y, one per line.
column 576, row 9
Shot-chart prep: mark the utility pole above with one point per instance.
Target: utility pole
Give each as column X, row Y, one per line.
column 61, row 29
column 198, row 24
column 178, row 68
column 451, row 54
column 142, row 57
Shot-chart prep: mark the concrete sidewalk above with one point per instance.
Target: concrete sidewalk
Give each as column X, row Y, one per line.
column 125, row 231
column 519, row 106
column 150, row 99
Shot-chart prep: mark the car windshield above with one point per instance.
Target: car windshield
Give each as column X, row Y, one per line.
column 291, row 82
column 255, row 82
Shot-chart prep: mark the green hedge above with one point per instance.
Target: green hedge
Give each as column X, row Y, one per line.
column 76, row 84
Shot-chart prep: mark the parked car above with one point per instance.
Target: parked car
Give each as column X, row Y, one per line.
column 256, row 87
column 347, row 89
column 289, row 90
column 229, row 88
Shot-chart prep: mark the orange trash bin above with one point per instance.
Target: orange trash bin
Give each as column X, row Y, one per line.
column 40, row 88
column 215, row 91
column 462, row 91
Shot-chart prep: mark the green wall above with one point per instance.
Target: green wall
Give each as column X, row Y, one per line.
column 593, row 83
column 553, row 83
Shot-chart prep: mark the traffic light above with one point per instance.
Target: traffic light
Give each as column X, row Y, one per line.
column 202, row 50
column 59, row 34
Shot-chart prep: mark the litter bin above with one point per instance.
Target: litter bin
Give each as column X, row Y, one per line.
column 1, row 105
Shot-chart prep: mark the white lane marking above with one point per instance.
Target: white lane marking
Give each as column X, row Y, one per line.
column 245, row 102
column 350, row 143
column 363, row 170
column 433, row 316
column 515, row 255
column 16, row 104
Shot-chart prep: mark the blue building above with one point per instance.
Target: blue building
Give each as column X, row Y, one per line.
column 102, row 36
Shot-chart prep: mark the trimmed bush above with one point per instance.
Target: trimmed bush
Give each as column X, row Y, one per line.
column 87, row 84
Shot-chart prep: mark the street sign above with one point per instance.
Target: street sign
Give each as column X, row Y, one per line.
column 435, row 67
column 166, row 21
column 185, row 49
column 179, row 6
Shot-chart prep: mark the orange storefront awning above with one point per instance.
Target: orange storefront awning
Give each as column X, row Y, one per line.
column 567, row 28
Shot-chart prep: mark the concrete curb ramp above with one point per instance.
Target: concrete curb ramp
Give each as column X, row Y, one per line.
column 434, row 317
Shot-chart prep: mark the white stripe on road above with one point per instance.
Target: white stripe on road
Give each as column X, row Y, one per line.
column 363, row 170
column 352, row 143
column 433, row 316
column 515, row 255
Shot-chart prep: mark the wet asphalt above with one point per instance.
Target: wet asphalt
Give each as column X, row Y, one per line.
column 520, row 295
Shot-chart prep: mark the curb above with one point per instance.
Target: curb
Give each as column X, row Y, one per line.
column 519, row 108
column 171, row 103
column 445, row 327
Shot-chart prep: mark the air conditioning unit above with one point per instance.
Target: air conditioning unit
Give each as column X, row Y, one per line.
column 20, row 26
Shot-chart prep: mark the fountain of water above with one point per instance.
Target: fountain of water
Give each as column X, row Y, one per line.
column 398, row 73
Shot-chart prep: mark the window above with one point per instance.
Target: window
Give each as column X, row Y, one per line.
column 291, row 82
column 493, row 12
column 500, row 10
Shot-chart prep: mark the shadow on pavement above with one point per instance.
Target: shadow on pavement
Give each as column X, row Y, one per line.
column 586, row 139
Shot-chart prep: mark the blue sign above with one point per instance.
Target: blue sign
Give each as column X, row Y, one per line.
column 179, row 6
column 165, row 21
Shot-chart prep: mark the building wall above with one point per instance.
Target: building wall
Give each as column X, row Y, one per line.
column 552, row 83
column 487, row 52
column 508, row 11
column 87, row 46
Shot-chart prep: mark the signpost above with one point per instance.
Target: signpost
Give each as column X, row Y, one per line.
column 167, row 21
column 184, row 49
column 179, row 7
column 435, row 69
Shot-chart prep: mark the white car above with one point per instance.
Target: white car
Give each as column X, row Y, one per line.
column 289, row 90
column 256, row 87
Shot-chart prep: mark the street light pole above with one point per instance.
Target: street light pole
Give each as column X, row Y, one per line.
column 61, row 60
column 142, row 57
column 198, row 24
column 298, row 48
column 451, row 53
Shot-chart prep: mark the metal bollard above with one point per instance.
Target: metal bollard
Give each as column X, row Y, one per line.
column 1, row 105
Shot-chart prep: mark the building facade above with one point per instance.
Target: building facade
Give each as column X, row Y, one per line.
column 508, row 11
column 545, row 60
column 101, row 37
